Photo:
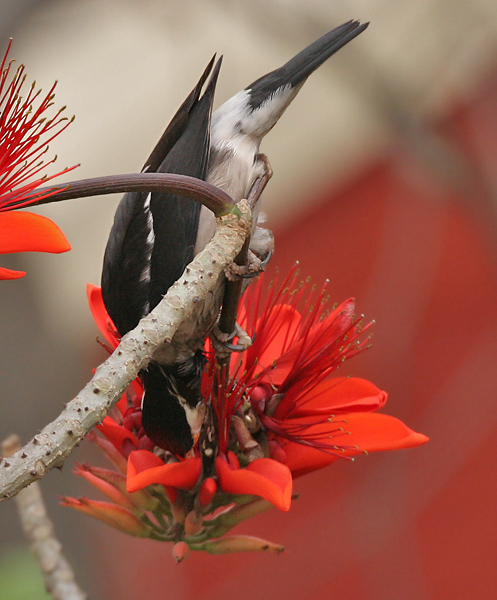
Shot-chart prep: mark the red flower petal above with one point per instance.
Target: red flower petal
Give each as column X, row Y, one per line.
column 28, row 232
column 143, row 460
column 100, row 316
column 335, row 325
column 263, row 477
column 374, row 432
column 332, row 396
column 304, row 459
column 277, row 331
column 10, row 274
column 145, row 468
column 117, row 434
column 349, row 435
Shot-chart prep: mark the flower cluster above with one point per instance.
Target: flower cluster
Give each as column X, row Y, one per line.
column 25, row 133
column 277, row 413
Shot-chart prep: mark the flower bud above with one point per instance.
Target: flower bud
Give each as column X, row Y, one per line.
column 115, row 516
column 193, row 523
column 238, row 543
column 180, row 551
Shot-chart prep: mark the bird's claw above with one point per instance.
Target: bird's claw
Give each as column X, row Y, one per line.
column 266, row 260
column 255, row 266
column 268, row 171
column 222, row 341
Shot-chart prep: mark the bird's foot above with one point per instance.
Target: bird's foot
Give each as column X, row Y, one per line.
column 254, row 266
column 221, row 341
column 268, row 171
column 262, row 245
column 261, row 181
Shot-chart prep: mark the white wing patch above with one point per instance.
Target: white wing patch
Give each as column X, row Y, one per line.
column 150, row 241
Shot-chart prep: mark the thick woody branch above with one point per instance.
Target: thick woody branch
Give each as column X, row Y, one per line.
column 52, row 445
column 182, row 185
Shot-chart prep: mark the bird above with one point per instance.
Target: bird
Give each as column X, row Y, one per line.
column 151, row 241
column 155, row 236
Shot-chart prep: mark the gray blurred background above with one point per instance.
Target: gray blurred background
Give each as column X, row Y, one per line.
column 123, row 68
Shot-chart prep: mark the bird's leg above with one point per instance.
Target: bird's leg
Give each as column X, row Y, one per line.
column 221, row 341
column 260, row 183
column 253, row 267
column 227, row 321
column 261, row 244
column 258, row 249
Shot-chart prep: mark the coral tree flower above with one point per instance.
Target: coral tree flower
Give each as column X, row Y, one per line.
column 279, row 412
column 25, row 133
column 310, row 417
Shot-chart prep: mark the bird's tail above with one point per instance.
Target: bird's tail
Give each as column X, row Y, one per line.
column 298, row 69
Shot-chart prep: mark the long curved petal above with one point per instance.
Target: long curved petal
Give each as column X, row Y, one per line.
column 145, row 468
column 375, row 432
column 348, row 435
column 275, row 333
column 10, row 274
column 334, row 396
column 263, row 477
column 29, row 232
column 100, row 315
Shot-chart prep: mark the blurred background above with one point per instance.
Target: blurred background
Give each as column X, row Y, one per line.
column 384, row 182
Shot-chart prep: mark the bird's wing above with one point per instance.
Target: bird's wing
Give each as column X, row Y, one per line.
column 153, row 235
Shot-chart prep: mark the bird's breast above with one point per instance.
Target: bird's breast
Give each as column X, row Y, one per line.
column 233, row 168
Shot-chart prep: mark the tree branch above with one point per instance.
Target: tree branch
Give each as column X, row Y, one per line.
column 52, row 445
column 39, row 530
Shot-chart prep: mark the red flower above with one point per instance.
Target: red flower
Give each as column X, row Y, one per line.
column 310, row 418
column 101, row 317
column 24, row 137
column 145, row 468
column 280, row 412
column 262, row 477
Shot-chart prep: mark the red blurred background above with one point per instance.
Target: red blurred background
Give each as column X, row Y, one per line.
column 410, row 230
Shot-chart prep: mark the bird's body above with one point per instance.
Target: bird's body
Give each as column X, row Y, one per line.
column 150, row 244
column 156, row 235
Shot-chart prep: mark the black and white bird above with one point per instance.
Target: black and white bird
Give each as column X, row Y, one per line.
column 156, row 235
column 150, row 243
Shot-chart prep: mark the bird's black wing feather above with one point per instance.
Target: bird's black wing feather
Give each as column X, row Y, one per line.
column 151, row 242
column 127, row 271
column 177, row 125
column 124, row 291
column 175, row 218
